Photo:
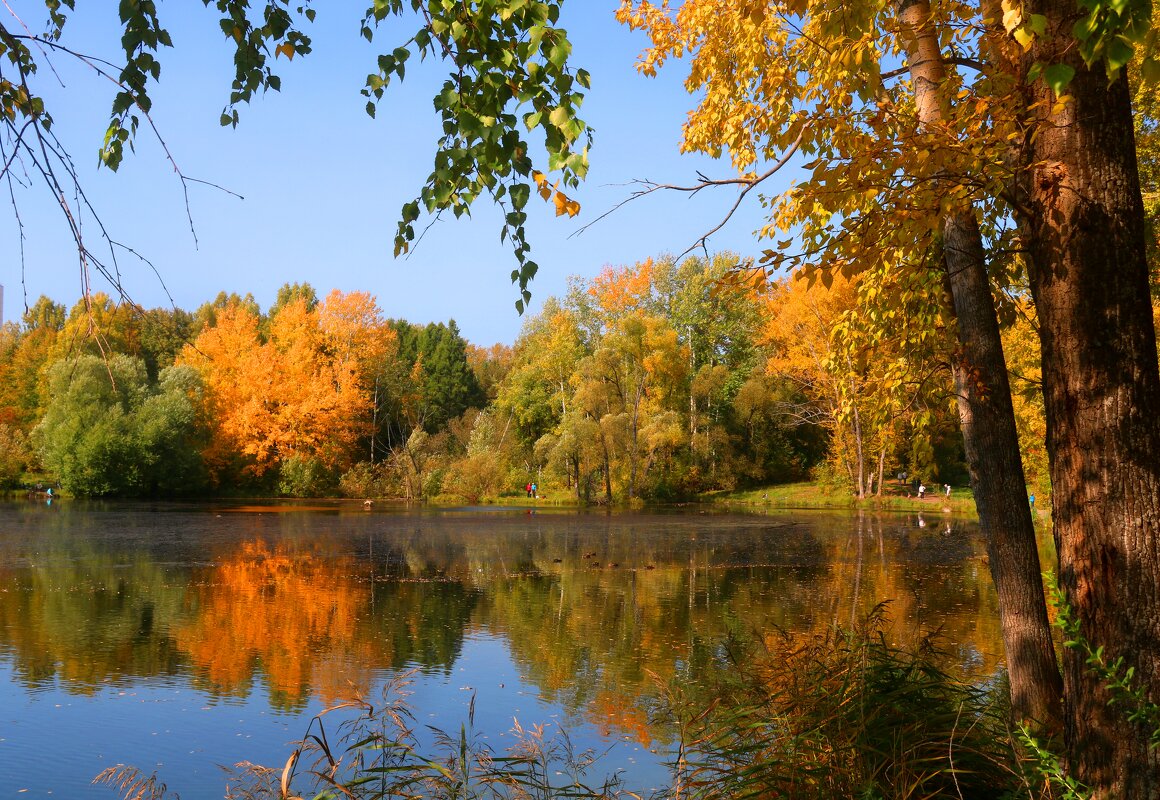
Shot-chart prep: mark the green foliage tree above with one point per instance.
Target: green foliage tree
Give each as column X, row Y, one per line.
column 108, row 431
column 435, row 357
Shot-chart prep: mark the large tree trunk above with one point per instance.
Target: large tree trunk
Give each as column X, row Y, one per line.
column 1101, row 387
column 988, row 420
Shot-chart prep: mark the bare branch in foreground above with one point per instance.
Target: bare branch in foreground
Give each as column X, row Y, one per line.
column 703, row 182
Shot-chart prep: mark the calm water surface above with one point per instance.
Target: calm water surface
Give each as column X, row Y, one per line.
column 181, row 638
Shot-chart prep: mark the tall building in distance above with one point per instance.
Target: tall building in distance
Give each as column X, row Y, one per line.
column 1, row 304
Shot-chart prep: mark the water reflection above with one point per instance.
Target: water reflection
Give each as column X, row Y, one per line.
column 315, row 604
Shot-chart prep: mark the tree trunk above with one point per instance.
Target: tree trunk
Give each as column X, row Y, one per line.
column 1089, row 279
column 987, row 420
column 856, row 431
column 881, row 470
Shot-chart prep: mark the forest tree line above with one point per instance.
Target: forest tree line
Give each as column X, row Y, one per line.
column 657, row 381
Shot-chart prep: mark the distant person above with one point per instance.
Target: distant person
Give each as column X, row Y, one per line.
column 947, row 487
column 1032, row 499
column 921, row 491
column 528, row 489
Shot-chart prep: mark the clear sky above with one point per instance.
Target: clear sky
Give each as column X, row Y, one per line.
column 323, row 183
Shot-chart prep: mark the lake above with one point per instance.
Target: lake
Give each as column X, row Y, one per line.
column 178, row 638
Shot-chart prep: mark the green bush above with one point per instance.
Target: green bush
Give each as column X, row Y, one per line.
column 301, row 476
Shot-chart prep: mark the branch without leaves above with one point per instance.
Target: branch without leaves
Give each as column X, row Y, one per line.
column 704, row 182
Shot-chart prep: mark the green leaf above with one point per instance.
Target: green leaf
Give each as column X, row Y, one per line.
column 559, row 116
column 520, row 193
column 1057, row 77
column 1119, row 53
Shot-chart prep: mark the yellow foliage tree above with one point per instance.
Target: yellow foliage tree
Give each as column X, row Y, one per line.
column 908, row 167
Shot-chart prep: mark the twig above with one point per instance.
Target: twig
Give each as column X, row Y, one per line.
column 703, row 182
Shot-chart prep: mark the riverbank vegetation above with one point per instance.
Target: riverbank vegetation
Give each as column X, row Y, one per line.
column 660, row 381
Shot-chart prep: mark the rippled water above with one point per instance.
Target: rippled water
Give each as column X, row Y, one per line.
column 178, row 638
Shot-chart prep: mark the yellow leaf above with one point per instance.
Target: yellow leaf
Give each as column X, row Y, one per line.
column 542, row 187
column 285, row 49
column 1012, row 15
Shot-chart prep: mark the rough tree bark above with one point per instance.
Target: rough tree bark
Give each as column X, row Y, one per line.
column 1089, row 279
column 987, row 418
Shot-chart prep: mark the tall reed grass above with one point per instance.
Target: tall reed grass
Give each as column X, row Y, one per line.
column 844, row 714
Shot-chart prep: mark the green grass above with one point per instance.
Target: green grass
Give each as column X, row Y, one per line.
column 817, row 495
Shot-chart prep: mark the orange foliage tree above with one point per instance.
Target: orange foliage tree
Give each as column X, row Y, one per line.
column 299, row 395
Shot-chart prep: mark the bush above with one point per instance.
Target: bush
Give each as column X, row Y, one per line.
column 302, row 476
column 369, row 480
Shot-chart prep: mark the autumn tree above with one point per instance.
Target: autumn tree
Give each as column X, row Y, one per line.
column 906, row 166
column 799, row 323
column 25, row 351
column 300, row 396
column 538, row 388
column 15, row 453
column 1084, row 228
column 490, row 365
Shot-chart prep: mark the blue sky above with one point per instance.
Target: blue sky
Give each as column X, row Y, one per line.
column 323, row 183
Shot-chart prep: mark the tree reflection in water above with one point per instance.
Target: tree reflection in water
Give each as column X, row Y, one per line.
column 596, row 610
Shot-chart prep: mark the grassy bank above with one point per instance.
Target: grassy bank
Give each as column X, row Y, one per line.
column 816, row 495
column 788, row 495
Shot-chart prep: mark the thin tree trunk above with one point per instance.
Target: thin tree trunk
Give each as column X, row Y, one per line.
column 607, row 472
column 987, row 419
column 1089, row 278
column 859, row 446
column 579, row 491
column 881, row 470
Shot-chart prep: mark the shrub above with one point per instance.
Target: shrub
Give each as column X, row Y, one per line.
column 303, row 476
